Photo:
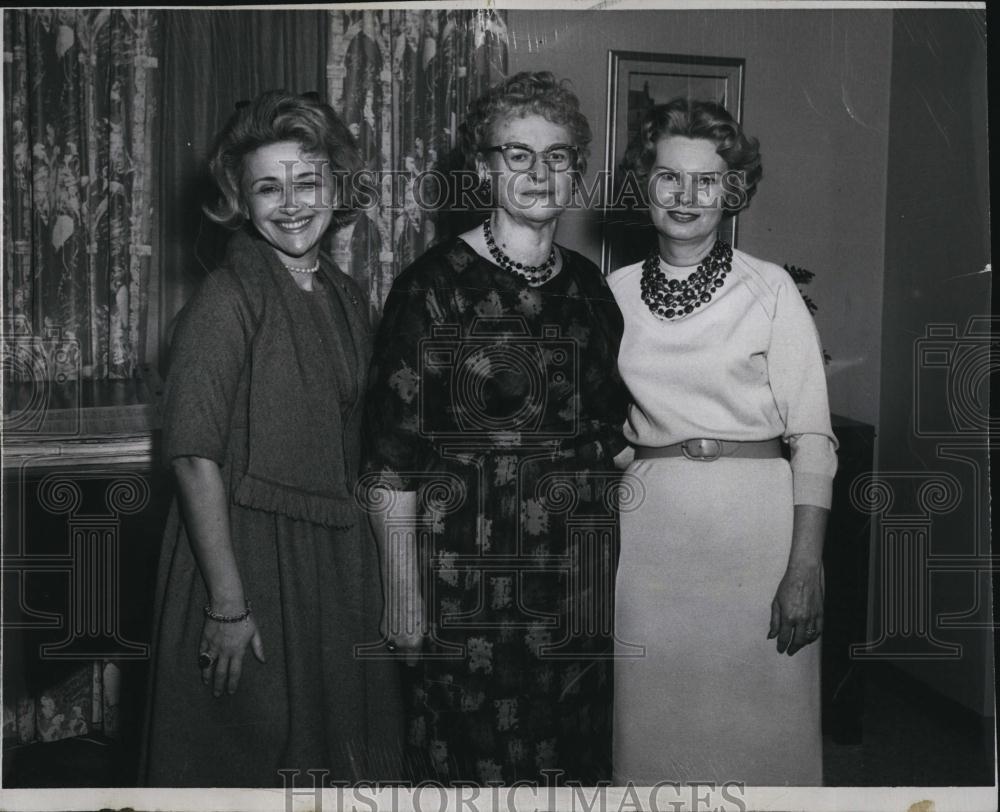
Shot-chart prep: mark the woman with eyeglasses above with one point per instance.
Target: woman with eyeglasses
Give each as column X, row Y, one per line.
column 494, row 415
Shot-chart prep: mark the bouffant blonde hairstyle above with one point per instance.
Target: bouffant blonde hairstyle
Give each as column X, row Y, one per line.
column 272, row 117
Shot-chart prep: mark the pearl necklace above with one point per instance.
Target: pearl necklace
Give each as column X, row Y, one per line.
column 675, row 298
column 313, row 269
column 533, row 274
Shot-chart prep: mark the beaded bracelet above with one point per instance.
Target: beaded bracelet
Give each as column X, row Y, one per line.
column 226, row 618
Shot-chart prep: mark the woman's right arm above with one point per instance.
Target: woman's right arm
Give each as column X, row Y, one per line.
column 398, row 450
column 203, row 500
column 394, row 523
column 200, row 394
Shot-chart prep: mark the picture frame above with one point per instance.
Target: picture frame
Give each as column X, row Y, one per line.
column 637, row 81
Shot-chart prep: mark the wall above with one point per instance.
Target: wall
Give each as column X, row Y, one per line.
column 935, row 389
column 817, row 96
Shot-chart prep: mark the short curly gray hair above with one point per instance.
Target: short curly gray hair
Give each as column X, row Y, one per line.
column 523, row 94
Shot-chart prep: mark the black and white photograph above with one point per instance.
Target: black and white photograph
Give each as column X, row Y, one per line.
column 466, row 405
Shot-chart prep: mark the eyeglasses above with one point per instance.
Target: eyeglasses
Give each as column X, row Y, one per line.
column 522, row 158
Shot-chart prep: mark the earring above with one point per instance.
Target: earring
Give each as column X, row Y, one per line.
column 486, row 185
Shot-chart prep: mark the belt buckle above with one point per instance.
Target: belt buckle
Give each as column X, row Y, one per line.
column 702, row 445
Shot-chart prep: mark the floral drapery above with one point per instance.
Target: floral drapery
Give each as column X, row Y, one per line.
column 78, row 197
column 402, row 81
column 79, row 144
column 97, row 177
column 84, row 703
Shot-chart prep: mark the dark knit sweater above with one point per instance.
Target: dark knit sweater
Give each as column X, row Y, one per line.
column 253, row 384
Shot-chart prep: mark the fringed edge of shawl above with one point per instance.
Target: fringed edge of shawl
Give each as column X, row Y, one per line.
column 339, row 513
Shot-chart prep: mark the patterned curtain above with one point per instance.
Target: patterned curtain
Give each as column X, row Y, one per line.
column 77, row 219
column 84, row 145
column 79, row 148
column 402, row 80
column 84, row 702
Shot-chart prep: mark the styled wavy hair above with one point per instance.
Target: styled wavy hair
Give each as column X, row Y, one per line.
column 526, row 93
column 695, row 118
column 272, row 117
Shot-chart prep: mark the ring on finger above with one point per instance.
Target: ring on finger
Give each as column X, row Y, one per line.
column 812, row 633
column 205, row 660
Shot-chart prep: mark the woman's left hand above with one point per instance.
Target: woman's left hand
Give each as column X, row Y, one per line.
column 797, row 609
column 624, row 458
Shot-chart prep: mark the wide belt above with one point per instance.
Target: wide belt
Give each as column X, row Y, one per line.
column 708, row 450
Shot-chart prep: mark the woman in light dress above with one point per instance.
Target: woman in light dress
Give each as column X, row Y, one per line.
column 720, row 577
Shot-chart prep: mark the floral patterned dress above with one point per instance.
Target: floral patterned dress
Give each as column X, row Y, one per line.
column 502, row 406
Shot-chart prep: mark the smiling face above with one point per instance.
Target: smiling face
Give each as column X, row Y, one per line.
column 289, row 196
column 541, row 193
column 685, row 190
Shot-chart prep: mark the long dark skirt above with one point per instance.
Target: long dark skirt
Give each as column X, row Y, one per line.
column 516, row 681
column 314, row 704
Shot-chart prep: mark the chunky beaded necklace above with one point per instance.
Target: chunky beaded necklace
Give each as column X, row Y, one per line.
column 533, row 274
column 674, row 298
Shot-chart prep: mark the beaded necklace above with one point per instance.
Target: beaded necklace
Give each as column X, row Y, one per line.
column 533, row 274
column 293, row 269
column 674, row 298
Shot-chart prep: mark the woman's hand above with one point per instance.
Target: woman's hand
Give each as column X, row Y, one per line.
column 624, row 458
column 205, row 502
column 393, row 516
column 404, row 627
column 227, row 643
column 797, row 609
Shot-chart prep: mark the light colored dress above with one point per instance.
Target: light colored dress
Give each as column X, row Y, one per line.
column 700, row 692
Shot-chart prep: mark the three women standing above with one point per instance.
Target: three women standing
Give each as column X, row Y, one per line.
column 494, row 415
column 723, row 363
column 268, row 577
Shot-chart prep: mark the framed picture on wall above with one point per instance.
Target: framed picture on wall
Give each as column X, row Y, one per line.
column 636, row 82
